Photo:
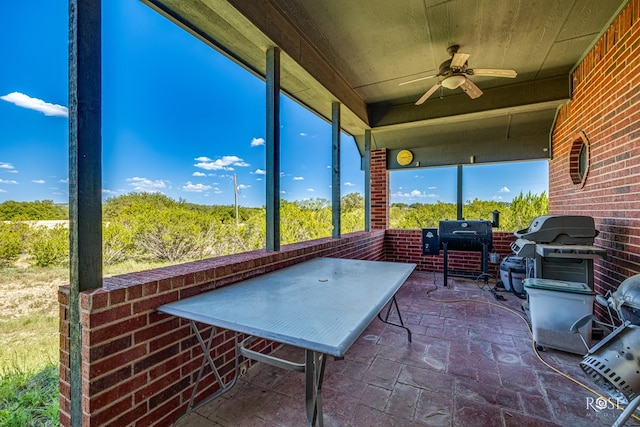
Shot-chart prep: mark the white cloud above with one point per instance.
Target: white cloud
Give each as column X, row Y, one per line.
column 38, row 181
column 10, row 181
column 8, row 167
column 46, row 108
column 303, row 134
column 64, row 181
column 198, row 174
column 496, row 197
column 243, row 187
column 413, row 194
column 144, row 184
column 195, row 188
column 504, row 189
column 298, row 178
column 349, row 184
column 257, row 142
column 224, row 163
column 310, row 190
column 2, row 191
column 107, row 191
column 259, row 172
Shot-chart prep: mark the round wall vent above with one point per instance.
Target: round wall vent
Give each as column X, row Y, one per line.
column 579, row 159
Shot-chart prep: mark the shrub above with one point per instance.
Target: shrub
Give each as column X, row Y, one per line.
column 12, row 237
column 171, row 234
column 49, row 246
column 117, row 242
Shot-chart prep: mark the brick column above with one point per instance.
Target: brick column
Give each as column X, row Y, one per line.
column 379, row 190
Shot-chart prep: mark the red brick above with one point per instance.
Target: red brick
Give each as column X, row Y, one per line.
column 113, row 330
column 109, row 364
column 118, row 391
column 605, row 107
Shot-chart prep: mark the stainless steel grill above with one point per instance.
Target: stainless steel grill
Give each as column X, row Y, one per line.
column 559, row 247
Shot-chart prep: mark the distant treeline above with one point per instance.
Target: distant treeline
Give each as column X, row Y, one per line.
column 514, row 215
column 153, row 227
column 33, row 211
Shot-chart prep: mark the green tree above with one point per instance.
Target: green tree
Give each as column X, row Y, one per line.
column 304, row 220
column 524, row 208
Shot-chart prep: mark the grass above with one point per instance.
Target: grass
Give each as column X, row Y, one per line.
column 29, row 398
column 29, row 340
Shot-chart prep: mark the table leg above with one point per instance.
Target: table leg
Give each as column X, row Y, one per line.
column 314, row 373
column 394, row 303
column 207, row 360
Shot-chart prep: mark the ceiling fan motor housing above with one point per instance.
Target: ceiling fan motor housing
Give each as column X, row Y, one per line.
column 445, row 68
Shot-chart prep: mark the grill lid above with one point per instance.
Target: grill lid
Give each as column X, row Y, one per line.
column 626, row 299
column 562, row 229
column 466, row 235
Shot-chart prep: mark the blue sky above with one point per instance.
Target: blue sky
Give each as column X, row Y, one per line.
column 181, row 119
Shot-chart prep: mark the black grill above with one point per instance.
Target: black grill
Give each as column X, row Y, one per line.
column 461, row 235
column 466, row 235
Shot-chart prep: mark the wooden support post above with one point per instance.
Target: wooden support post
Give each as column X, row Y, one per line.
column 85, row 175
column 367, row 179
column 335, row 168
column 459, row 193
column 273, row 149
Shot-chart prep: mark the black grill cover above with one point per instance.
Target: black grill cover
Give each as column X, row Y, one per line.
column 466, row 235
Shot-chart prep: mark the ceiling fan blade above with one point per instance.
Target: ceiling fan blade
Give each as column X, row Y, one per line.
column 459, row 59
column 493, row 72
column 418, row 80
column 428, row 93
column 471, row 89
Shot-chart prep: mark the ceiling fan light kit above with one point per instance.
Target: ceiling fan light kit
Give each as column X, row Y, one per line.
column 454, row 74
column 453, row 82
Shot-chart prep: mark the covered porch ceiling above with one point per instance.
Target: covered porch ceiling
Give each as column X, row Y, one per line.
column 357, row 53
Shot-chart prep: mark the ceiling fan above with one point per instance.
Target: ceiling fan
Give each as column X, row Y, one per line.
column 454, row 74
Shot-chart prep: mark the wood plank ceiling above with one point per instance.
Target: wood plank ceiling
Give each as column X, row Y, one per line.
column 357, row 53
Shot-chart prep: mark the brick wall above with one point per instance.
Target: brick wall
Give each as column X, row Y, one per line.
column 406, row 246
column 606, row 107
column 379, row 190
column 138, row 366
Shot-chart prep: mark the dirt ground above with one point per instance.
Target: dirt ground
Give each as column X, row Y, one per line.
column 27, row 290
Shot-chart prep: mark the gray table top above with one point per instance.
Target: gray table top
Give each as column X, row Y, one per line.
column 322, row 305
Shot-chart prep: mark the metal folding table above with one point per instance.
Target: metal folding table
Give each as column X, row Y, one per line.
column 321, row 305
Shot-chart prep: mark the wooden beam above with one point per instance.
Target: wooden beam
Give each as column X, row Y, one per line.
column 85, row 176
column 277, row 27
column 459, row 107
